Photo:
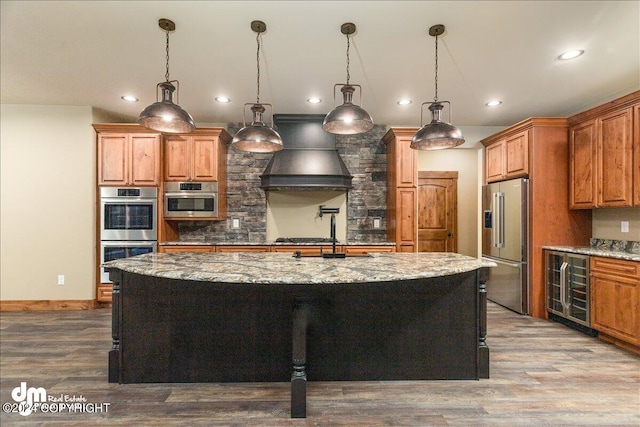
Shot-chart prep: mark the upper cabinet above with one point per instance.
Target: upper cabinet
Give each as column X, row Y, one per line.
column 127, row 155
column 197, row 156
column 507, row 157
column 604, row 159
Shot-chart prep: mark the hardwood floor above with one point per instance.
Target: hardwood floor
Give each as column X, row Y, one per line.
column 542, row 374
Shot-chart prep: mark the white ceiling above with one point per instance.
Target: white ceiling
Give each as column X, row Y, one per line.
column 92, row 52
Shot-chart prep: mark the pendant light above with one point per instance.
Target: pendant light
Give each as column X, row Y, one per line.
column 437, row 134
column 257, row 137
column 348, row 118
column 164, row 115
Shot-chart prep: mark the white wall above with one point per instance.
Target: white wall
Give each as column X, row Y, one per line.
column 47, row 216
column 606, row 223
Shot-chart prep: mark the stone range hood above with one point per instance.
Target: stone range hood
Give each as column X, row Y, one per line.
column 309, row 160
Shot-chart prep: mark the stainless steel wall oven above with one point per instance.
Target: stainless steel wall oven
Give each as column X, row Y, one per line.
column 128, row 223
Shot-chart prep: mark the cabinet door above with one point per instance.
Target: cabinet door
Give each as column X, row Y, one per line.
column 237, row 248
column 582, row 165
column 176, row 158
column 517, row 155
column 615, row 159
column 407, row 216
column 144, row 159
column 406, row 164
column 615, row 307
column 204, row 158
column 494, row 161
column 636, row 155
column 112, row 159
column 361, row 250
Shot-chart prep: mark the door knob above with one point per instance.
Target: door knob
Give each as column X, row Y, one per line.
column 449, row 234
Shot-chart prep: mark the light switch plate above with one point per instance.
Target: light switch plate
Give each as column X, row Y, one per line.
column 235, row 223
column 377, row 222
column 60, row 279
column 624, row 226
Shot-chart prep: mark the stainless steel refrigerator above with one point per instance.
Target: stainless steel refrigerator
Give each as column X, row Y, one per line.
column 505, row 237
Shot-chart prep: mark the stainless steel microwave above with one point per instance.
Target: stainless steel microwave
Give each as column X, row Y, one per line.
column 190, row 199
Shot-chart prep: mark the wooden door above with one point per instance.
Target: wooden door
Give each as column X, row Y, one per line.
column 437, row 211
column 145, row 159
column 615, row 159
column 582, row 165
column 205, row 158
column 176, row 158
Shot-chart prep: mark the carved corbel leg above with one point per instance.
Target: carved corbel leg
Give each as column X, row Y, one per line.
column 299, row 356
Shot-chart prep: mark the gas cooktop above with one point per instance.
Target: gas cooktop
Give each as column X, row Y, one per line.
column 304, row 240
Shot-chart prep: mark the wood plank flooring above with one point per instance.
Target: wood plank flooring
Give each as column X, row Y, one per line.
column 542, row 374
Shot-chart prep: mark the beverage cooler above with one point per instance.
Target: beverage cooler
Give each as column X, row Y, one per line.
column 567, row 277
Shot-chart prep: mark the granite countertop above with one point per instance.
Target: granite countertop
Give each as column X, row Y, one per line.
column 281, row 268
column 587, row 250
column 239, row 243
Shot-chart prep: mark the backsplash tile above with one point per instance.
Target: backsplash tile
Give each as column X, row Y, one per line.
column 616, row 245
column 364, row 156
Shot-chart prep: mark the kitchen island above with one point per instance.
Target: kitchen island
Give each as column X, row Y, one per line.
column 229, row 317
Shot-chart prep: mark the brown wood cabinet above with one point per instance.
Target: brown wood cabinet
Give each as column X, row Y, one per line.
column 604, row 160
column 197, row 156
column 243, row 248
column 128, row 155
column 615, row 299
column 402, row 184
column 360, row 250
column 551, row 222
column 186, row 248
column 508, row 157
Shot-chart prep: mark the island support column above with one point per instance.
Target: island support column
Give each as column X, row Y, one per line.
column 299, row 356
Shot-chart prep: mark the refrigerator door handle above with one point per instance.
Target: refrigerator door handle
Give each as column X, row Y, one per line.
column 498, row 230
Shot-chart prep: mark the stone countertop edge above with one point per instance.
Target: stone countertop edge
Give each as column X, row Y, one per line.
column 586, row 250
column 284, row 269
column 235, row 243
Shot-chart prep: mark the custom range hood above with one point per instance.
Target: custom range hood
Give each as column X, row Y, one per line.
column 309, row 160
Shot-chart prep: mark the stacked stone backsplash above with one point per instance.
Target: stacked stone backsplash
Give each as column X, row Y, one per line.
column 365, row 157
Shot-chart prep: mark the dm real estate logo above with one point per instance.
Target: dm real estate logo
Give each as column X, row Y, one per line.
column 27, row 400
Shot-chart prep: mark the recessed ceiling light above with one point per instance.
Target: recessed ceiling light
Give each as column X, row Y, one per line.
column 129, row 98
column 223, row 99
column 570, row 54
column 314, row 100
column 404, row 102
column 494, row 103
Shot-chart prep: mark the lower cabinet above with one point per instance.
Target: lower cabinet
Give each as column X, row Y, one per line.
column 615, row 298
column 187, row 248
column 243, row 248
column 360, row 250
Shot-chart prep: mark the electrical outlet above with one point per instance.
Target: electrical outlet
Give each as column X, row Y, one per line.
column 235, row 223
column 377, row 222
column 60, row 279
column 624, row 226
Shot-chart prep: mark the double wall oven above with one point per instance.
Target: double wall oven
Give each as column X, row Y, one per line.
column 128, row 223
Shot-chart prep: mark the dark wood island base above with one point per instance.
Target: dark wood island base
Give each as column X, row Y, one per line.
column 168, row 330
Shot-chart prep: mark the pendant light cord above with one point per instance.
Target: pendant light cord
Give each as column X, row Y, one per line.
column 258, row 67
column 166, row 74
column 348, row 46
column 436, row 96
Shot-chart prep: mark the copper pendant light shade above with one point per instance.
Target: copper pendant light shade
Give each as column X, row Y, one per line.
column 348, row 118
column 437, row 134
column 257, row 137
column 165, row 115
